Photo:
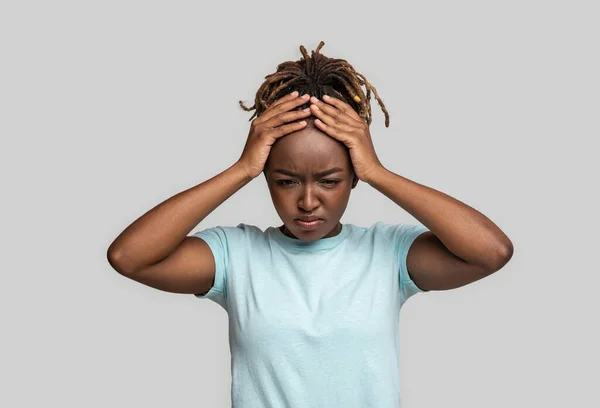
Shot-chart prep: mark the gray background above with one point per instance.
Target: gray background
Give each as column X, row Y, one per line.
column 109, row 108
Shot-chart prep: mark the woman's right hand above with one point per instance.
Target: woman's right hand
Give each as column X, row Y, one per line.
column 272, row 124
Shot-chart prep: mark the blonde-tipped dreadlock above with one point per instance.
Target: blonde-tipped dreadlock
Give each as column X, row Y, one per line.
column 317, row 76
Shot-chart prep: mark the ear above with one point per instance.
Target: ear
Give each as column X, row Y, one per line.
column 354, row 181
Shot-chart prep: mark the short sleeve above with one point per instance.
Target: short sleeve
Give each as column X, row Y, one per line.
column 404, row 236
column 216, row 239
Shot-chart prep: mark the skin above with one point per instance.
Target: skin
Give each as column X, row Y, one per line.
column 462, row 246
column 307, row 152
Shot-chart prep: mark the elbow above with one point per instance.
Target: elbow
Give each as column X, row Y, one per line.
column 504, row 255
column 507, row 252
column 116, row 261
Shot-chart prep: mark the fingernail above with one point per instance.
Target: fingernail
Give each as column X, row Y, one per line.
column 305, row 96
column 325, row 96
column 295, row 93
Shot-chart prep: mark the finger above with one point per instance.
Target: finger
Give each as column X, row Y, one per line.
column 285, row 117
column 288, row 97
column 330, row 114
column 342, row 106
column 323, row 116
column 288, row 104
column 334, row 118
column 330, row 130
column 286, row 129
column 284, row 106
column 265, row 115
column 339, row 116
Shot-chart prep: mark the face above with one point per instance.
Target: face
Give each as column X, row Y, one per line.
column 299, row 187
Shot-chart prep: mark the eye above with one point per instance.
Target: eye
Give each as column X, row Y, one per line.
column 331, row 183
column 285, row 182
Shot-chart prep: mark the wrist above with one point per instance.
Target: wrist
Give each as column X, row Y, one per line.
column 375, row 175
column 243, row 170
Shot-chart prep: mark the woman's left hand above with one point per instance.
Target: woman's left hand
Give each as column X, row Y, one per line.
column 337, row 119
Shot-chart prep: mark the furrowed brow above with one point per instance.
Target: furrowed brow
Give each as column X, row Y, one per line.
column 321, row 174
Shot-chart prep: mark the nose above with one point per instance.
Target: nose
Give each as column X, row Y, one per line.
column 308, row 200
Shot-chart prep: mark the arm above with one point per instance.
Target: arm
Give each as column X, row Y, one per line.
column 157, row 233
column 155, row 249
column 462, row 245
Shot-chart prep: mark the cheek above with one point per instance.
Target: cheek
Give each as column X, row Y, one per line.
column 280, row 198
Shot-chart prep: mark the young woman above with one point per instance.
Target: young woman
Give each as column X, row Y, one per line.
column 313, row 305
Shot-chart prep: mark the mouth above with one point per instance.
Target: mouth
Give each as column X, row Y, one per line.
column 308, row 225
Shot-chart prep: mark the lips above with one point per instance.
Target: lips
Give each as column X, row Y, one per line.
column 309, row 219
column 308, row 226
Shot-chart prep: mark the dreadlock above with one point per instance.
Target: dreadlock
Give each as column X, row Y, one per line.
column 317, row 76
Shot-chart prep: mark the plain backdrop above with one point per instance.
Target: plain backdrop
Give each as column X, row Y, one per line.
column 109, row 108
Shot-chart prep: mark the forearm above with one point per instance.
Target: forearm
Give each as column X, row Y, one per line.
column 157, row 233
column 466, row 232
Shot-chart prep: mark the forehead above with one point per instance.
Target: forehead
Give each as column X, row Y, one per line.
column 308, row 151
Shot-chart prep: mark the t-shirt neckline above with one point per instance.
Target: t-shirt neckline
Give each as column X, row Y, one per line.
column 310, row 246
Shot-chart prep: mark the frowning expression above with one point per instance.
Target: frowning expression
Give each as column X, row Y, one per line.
column 310, row 175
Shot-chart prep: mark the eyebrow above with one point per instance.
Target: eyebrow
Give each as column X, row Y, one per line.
column 321, row 174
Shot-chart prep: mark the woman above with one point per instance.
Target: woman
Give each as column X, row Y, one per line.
column 313, row 305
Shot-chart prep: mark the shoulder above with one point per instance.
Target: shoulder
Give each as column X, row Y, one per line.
column 381, row 231
column 227, row 234
column 401, row 234
column 240, row 229
column 387, row 239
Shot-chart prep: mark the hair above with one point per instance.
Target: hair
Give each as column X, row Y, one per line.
column 317, row 75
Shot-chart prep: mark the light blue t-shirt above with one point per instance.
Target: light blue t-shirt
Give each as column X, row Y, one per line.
column 313, row 324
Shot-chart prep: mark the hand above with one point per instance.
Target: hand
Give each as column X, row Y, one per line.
column 270, row 126
column 338, row 120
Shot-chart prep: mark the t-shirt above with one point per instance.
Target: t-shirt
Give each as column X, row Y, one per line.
column 313, row 323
